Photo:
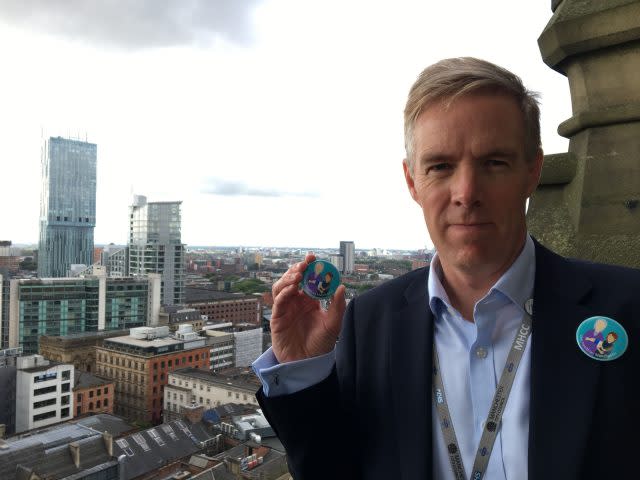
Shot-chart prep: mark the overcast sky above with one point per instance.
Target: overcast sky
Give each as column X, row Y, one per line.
column 276, row 122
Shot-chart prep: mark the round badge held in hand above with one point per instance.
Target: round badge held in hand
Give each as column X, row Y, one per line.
column 320, row 280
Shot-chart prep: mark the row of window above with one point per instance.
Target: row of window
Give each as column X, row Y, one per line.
column 64, row 413
column 97, row 393
column 65, row 387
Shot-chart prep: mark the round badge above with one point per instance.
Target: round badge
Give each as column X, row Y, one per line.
column 320, row 279
column 602, row 338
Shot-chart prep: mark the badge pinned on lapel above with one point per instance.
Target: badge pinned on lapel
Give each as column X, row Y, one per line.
column 602, row 338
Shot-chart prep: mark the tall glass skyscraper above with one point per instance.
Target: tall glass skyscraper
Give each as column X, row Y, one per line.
column 155, row 245
column 67, row 206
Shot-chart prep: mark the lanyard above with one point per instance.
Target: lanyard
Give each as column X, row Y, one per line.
column 492, row 424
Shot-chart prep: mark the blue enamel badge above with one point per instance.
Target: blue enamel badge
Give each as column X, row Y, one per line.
column 320, row 279
column 602, row 338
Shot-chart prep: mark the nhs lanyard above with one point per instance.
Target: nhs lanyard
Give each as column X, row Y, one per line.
column 492, row 424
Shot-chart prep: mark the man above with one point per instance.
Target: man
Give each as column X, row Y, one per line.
column 469, row 369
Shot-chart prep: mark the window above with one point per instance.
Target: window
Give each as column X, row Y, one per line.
column 78, row 410
column 44, row 377
column 201, row 402
column 237, row 395
column 90, row 393
column 228, row 394
column 45, row 390
column 170, row 363
column 90, row 405
column 106, row 402
column 98, row 391
column 98, row 403
column 106, row 390
column 44, row 416
column 66, row 387
column 190, row 359
column 44, row 403
column 65, row 400
column 162, row 364
column 79, row 397
column 64, row 413
column 66, row 375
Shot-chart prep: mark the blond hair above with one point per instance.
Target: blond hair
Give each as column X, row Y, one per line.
column 454, row 77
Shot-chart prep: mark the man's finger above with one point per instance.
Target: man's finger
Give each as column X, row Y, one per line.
column 289, row 278
column 336, row 310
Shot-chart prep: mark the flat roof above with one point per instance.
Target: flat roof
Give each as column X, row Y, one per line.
column 138, row 342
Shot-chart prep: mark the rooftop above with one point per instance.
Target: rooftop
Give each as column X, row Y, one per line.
column 201, row 294
column 146, row 450
column 236, row 377
column 156, row 342
column 87, row 380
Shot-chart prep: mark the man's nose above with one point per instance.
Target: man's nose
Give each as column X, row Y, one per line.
column 466, row 189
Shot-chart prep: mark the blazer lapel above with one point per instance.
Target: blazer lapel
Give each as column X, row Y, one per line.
column 410, row 350
column 563, row 379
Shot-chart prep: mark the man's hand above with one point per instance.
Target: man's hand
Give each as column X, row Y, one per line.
column 300, row 327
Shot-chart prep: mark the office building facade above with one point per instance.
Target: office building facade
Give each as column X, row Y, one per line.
column 140, row 363
column 43, row 392
column 155, row 245
column 67, row 306
column 67, row 206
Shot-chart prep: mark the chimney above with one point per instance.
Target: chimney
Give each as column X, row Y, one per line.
column 193, row 413
column 74, row 448
column 108, row 442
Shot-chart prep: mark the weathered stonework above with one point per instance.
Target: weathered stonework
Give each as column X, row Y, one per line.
column 588, row 202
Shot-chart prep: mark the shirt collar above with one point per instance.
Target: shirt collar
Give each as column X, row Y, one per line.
column 516, row 283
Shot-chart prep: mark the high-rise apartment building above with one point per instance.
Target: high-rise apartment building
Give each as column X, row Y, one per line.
column 155, row 245
column 67, row 206
column 348, row 252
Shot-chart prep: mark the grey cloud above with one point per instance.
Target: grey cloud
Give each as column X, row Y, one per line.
column 135, row 24
column 218, row 186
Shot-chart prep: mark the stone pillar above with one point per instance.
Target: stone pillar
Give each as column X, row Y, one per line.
column 588, row 202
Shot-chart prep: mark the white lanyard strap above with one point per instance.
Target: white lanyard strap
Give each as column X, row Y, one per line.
column 492, row 424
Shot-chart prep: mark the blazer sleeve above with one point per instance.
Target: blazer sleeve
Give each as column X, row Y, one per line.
column 316, row 425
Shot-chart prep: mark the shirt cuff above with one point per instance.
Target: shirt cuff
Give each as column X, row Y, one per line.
column 291, row 377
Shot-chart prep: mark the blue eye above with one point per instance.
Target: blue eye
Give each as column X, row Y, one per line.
column 439, row 167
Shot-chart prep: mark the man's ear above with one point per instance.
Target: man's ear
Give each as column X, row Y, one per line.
column 535, row 171
column 408, row 176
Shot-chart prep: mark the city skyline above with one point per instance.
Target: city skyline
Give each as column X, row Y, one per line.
column 260, row 121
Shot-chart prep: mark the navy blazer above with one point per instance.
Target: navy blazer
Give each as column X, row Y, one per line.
column 371, row 418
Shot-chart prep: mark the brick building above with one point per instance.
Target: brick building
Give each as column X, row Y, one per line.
column 139, row 364
column 230, row 307
column 92, row 394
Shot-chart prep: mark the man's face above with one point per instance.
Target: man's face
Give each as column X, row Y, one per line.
column 472, row 180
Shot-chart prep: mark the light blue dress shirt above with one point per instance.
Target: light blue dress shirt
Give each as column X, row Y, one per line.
column 472, row 356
